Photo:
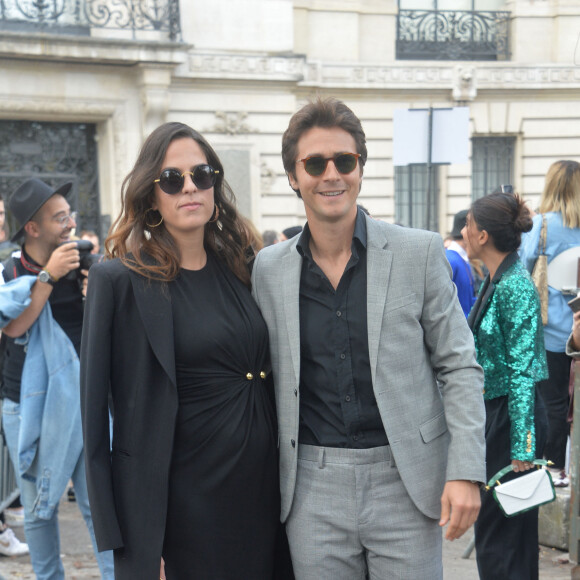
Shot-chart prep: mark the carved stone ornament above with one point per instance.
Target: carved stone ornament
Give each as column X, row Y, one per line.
column 464, row 83
column 224, row 66
column 231, row 123
column 267, row 176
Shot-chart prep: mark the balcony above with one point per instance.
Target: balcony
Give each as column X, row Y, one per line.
column 133, row 19
column 452, row 35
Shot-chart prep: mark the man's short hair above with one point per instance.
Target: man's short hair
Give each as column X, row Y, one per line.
column 269, row 237
column 325, row 113
column 459, row 222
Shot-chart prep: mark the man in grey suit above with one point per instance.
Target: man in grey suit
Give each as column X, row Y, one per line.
column 379, row 396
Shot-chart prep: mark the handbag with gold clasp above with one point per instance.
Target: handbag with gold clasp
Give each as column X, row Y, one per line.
column 523, row 493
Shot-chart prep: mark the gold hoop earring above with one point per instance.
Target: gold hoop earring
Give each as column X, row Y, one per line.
column 217, row 215
column 152, row 225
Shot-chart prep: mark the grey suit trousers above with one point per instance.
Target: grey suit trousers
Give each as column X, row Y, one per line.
column 351, row 515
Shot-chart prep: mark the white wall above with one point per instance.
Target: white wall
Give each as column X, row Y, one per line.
column 238, row 25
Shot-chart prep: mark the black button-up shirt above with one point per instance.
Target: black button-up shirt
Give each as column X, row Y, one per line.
column 337, row 403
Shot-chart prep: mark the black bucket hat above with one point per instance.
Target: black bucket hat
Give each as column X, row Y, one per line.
column 29, row 198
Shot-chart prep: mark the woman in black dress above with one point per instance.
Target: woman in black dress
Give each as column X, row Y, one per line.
column 174, row 340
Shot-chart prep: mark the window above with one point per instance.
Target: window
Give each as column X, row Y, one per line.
column 492, row 164
column 55, row 153
column 416, row 205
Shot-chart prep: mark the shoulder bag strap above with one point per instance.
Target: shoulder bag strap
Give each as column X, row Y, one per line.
column 543, row 236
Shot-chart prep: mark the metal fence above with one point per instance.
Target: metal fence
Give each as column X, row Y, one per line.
column 82, row 17
column 452, row 35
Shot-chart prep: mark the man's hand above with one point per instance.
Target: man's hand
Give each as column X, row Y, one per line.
column 63, row 260
column 462, row 501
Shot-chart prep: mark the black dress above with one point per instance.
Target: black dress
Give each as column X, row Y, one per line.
column 224, row 501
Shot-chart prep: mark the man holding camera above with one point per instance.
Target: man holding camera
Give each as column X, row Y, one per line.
column 40, row 376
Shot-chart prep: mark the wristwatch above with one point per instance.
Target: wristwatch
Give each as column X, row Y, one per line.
column 44, row 276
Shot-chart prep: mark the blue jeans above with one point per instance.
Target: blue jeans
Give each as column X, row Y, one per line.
column 42, row 535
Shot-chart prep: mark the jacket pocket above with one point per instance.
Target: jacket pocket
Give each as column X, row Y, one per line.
column 392, row 305
column 433, row 428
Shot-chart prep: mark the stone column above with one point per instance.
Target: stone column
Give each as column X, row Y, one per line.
column 154, row 81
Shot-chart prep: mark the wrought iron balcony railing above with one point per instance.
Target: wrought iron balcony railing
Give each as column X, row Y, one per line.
column 84, row 17
column 452, row 35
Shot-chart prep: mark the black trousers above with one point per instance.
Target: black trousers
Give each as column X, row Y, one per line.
column 506, row 548
column 556, row 398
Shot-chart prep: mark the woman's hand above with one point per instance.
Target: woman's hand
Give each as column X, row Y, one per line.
column 162, row 570
column 522, row 465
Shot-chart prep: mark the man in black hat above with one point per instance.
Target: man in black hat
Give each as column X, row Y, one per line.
column 47, row 252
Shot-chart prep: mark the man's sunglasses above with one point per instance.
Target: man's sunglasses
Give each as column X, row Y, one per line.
column 315, row 165
column 171, row 181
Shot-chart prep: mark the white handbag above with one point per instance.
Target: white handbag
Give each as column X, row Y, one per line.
column 523, row 493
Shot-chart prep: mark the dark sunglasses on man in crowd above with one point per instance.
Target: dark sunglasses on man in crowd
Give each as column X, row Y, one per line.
column 171, row 180
column 345, row 163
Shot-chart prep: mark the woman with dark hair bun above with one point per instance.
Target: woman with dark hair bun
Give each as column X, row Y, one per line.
column 509, row 340
column 173, row 338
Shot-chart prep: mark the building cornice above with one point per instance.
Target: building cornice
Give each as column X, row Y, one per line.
column 94, row 50
column 407, row 76
column 189, row 63
column 64, row 108
column 261, row 67
column 441, row 76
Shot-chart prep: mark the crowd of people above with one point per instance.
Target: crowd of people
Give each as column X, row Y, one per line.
column 314, row 403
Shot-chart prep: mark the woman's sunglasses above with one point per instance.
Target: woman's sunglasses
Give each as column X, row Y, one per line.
column 171, row 181
column 315, row 165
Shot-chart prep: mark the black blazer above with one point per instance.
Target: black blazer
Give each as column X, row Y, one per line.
column 127, row 351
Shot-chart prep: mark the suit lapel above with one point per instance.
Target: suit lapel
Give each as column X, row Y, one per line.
column 379, row 261
column 291, row 272
column 154, row 305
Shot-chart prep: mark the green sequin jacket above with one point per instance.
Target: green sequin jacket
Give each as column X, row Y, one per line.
column 509, row 341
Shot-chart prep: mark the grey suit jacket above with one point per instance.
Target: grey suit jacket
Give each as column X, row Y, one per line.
column 426, row 380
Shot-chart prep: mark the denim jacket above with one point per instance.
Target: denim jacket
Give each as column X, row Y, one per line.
column 559, row 239
column 50, row 440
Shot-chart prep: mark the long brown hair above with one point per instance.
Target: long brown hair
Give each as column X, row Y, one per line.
column 133, row 240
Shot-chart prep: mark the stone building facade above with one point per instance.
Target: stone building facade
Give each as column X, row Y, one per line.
column 83, row 82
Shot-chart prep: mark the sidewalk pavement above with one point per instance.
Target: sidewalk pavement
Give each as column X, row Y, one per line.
column 80, row 564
